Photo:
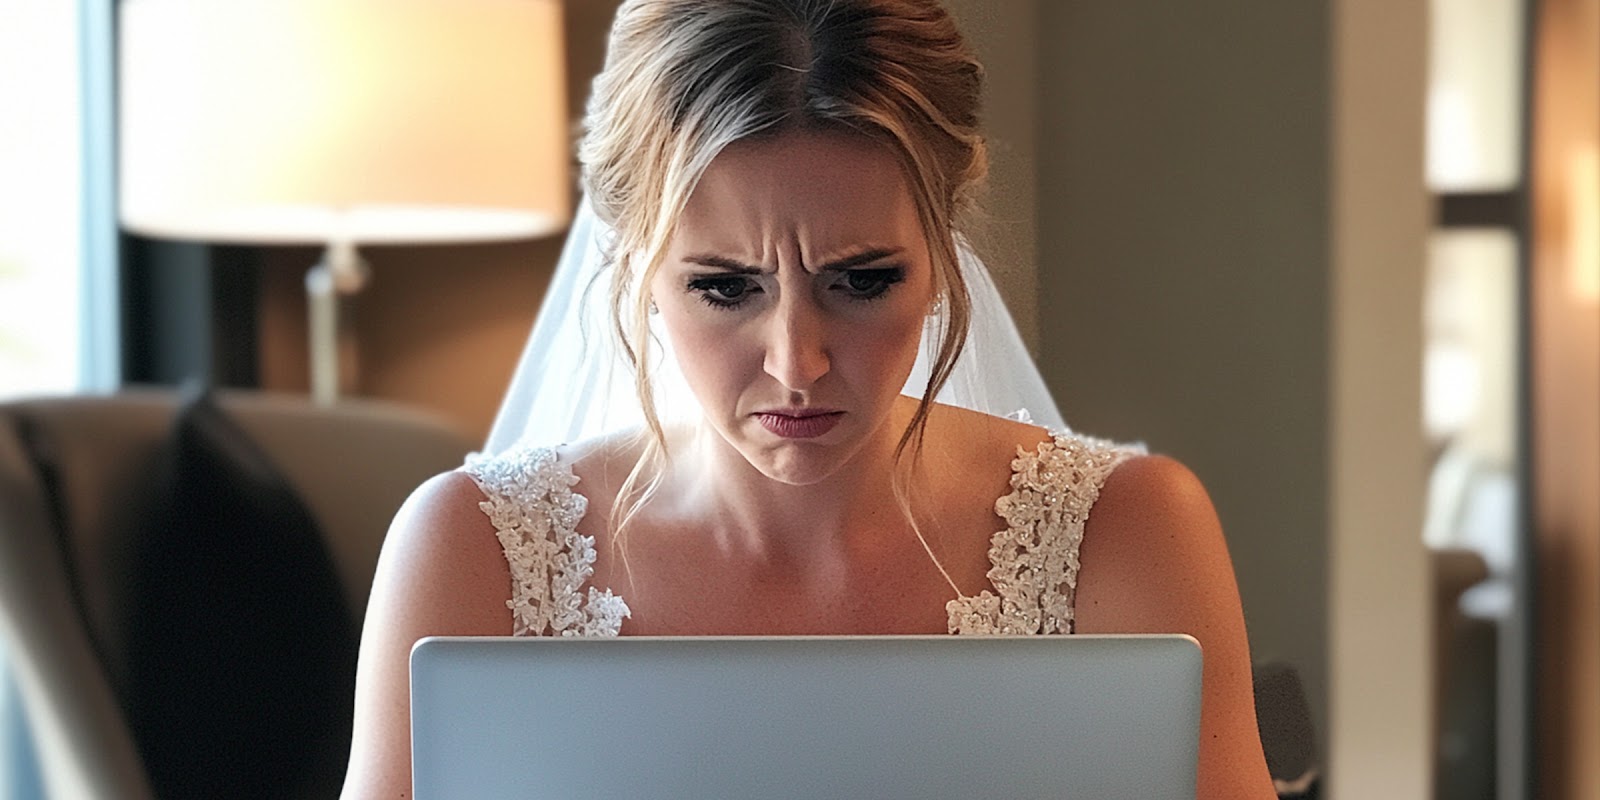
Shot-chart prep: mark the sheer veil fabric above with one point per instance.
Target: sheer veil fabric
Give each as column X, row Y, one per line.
column 574, row 383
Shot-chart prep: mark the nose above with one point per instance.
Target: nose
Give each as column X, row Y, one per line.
column 797, row 353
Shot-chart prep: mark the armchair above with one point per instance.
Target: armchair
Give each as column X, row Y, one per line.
column 76, row 479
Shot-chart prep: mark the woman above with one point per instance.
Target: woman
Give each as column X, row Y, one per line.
column 779, row 186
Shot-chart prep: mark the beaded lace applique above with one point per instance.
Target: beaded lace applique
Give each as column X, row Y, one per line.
column 536, row 514
column 1034, row 561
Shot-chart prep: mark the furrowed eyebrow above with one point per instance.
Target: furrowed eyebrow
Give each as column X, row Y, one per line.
column 859, row 259
column 728, row 264
column 848, row 262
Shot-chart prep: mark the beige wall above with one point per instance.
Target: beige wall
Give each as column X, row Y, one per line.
column 1005, row 36
column 1379, row 597
column 1184, row 195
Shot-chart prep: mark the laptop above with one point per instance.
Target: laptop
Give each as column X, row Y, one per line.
column 664, row 718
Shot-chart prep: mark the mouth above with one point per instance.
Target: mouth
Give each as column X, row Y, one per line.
column 799, row 423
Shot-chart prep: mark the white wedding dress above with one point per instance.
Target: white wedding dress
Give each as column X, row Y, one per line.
column 536, row 506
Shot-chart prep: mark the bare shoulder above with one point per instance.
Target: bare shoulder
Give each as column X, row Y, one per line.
column 1148, row 492
column 1152, row 546
column 442, row 572
column 442, row 538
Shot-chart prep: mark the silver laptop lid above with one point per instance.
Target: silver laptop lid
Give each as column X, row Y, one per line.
column 1099, row 717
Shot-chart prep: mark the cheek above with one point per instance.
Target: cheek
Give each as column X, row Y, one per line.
column 711, row 354
column 886, row 349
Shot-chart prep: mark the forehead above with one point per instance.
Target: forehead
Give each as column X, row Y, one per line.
column 824, row 190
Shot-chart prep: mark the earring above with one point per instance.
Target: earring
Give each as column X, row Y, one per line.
column 653, row 309
column 937, row 307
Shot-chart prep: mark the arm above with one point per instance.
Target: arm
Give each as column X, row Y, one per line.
column 442, row 572
column 1154, row 561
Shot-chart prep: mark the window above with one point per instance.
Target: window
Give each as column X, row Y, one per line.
column 58, row 283
column 1474, row 364
column 41, row 279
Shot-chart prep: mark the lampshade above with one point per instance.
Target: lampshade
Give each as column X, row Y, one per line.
column 388, row 121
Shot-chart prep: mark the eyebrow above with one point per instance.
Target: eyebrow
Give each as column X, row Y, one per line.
column 848, row 262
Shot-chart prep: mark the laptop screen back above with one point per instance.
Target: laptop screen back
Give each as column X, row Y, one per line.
column 808, row 717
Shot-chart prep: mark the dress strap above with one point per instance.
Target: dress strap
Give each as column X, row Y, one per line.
column 1034, row 561
column 529, row 499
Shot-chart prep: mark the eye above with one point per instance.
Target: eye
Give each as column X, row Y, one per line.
column 870, row 284
column 723, row 291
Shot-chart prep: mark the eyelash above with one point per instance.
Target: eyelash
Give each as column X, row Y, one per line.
column 704, row 287
column 882, row 278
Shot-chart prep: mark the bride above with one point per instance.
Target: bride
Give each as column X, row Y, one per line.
column 771, row 391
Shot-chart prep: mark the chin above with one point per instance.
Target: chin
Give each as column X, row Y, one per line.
column 798, row 464
column 793, row 462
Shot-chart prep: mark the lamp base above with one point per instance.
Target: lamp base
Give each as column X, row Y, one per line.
column 333, row 353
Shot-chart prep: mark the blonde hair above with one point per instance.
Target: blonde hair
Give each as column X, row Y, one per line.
column 683, row 79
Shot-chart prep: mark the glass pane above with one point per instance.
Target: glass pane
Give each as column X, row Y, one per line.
column 1475, row 95
column 40, row 197
column 41, row 227
column 1469, row 412
column 1469, row 392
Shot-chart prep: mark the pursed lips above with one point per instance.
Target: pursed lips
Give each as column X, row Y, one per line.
column 799, row 423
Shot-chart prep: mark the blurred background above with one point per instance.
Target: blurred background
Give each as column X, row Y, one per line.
column 1341, row 257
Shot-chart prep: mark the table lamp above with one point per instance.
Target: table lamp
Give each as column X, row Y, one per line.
column 341, row 123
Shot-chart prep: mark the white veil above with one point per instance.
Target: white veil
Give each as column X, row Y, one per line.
column 573, row 382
